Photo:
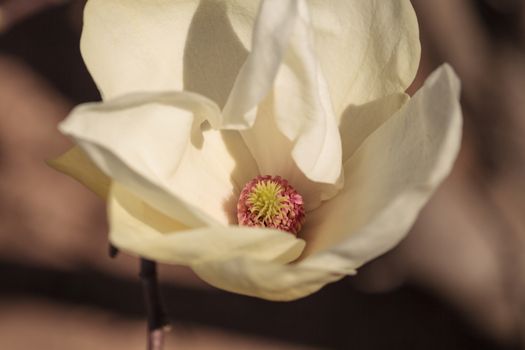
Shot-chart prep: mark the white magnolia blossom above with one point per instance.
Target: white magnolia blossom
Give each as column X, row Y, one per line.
column 200, row 97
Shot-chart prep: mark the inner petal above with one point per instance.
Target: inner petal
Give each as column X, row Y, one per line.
column 212, row 172
column 282, row 64
column 273, row 153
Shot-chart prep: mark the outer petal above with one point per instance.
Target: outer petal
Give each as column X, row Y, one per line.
column 124, row 46
column 138, row 228
column 265, row 280
column 159, row 45
column 388, row 180
column 367, row 49
column 153, row 142
column 76, row 164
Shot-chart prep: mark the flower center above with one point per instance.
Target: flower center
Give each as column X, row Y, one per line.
column 269, row 201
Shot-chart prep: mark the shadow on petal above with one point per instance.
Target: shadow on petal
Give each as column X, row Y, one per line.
column 213, row 54
column 359, row 121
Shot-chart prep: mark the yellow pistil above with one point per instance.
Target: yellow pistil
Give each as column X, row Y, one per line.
column 266, row 200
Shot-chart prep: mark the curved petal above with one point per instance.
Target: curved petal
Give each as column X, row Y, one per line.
column 389, row 179
column 265, row 280
column 138, row 228
column 143, row 45
column 152, row 143
column 76, row 164
column 282, row 64
column 270, row 39
column 358, row 122
column 212, row 174
column 303, row 109
column 140, row 45
column 272, row 151
column 366, row 49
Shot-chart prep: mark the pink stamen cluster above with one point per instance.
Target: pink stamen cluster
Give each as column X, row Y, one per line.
column 270, row 201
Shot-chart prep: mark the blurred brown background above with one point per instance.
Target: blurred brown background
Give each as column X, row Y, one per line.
column 457, row 281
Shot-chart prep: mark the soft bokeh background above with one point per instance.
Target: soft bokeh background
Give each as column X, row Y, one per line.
column 456, row 282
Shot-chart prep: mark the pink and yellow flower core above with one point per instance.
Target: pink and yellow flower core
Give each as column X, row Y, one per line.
column 270, row 201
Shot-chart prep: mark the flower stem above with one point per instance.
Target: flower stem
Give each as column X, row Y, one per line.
column 157, row 318
column 112, row 251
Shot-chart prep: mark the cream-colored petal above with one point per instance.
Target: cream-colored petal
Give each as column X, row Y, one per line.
column 272, row 151
column 272, row 30
column 143, row 45
column 367, row 49
column 303, row 109
column 282, row 68
column 140, row 141
column 76, row 164
column 358, row 122
column 389, row 179
column 267, row 280
column 139, row 229
column 212, row 173
column 150, row 135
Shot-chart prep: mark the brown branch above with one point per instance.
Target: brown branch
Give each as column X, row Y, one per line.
column 112, row 251
column 157, row 318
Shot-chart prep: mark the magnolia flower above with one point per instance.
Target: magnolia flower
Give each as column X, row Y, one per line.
column 268, row 145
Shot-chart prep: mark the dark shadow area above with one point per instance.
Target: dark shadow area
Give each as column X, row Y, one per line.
column 338, row 317
column 49, row 44
column 503, row 19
